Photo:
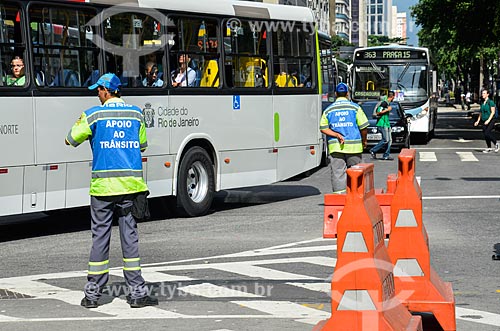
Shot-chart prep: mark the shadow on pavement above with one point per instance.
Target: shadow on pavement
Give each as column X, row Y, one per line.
column 78, row 219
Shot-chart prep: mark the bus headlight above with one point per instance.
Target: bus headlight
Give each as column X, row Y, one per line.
column 397, row 129
column 423, row 113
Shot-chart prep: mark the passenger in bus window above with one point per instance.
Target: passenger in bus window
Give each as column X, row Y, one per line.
column 152, row 79
column 151, row 57
column 17, row 67
column 304, row 81
column 184, row 75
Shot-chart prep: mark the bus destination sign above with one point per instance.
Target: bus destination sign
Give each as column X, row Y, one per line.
column 390, row 54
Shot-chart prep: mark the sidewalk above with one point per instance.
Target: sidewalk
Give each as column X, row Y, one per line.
column 474, row 109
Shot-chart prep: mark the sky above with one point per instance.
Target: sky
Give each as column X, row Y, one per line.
column 411, row 28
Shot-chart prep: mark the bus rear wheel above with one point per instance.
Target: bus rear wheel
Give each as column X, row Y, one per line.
column 195, row 182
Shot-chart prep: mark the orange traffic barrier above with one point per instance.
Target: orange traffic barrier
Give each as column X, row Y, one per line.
column 363, row 292
column 334, row 205
column 418, row 286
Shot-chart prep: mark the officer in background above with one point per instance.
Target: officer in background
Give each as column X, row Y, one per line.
column 345, row 125
column 117, row 136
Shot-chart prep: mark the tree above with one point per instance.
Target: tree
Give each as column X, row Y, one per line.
column 459, row 34
column 339, row 41
column 338, row 46
column 375, row 40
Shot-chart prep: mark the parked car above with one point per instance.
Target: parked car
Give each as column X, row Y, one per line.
column 399, row 125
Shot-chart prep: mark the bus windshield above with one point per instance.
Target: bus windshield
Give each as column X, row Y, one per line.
column 408, row 81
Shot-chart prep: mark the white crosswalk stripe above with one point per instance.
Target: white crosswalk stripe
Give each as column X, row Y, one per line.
column 427, row 156
column 208, row 290
column 286, row 309
column 467, row 157
column 267, row 276
column 463, row 156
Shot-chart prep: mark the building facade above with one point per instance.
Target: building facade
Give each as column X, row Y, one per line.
column 379, row 17
column 343, row 19
column 359, row 35
column 320, row 8
column 401, row 26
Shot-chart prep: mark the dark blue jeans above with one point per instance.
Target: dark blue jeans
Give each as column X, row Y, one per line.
column 386, row 141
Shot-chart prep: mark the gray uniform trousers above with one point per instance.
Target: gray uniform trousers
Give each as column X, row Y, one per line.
column 102, row 210
column 339, row 162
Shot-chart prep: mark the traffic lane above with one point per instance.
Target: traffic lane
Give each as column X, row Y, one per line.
column 256, row 217
column 451, row 177
column 454, row 128
column 461, row 237
column 246, row 227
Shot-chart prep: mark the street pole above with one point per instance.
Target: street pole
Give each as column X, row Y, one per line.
column 481, row 76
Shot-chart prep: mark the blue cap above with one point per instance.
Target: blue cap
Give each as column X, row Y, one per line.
column 109, row 81
column 342, row 88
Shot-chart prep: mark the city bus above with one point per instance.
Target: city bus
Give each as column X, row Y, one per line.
column 248, row 114
column 332, row 72
column 405, row 70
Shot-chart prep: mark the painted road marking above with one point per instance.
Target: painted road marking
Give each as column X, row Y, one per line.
column 427, row 156
column 271, row 309
column 477, row 316
column 286, row 309
column 455, row 197
column 209, row 290
column 317, row 287
column 467, row 157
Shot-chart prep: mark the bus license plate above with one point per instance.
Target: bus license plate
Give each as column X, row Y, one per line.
column 374, row 136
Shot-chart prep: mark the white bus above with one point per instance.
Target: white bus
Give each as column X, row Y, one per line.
column 250, row 117
column 333, row 71
column 405, row 70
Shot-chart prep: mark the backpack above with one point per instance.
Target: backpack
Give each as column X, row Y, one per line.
column 377, row 106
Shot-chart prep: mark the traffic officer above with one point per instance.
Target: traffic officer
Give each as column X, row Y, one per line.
column 117, row 136
column 345, row 125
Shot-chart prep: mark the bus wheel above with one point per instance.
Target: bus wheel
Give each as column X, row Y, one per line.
column 195, row 182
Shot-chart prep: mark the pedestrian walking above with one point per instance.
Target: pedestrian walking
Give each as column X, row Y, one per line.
column 468, row 99
column 384, row 127
column 487, row 116
column 117, row 136
column 345, row 125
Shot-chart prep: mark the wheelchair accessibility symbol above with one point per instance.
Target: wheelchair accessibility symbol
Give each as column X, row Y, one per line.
column 236, row 102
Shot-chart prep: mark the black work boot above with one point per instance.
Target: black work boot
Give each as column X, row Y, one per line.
column 87, row 303
column 142, row 302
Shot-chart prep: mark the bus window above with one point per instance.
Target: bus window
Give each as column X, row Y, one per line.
column 193, row 52
column 64, row 54
column 293, row 58
column 12, row 50
column 133, row 40
column 246, row 49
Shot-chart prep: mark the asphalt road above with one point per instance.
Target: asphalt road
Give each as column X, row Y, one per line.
column 258, row 260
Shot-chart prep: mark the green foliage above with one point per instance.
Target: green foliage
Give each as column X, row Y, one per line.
column 459, row 32
column 339, row 41
column 374, row 40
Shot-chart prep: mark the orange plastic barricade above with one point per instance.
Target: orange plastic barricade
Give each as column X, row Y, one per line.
column 334, row 205
column 363, row 292
column 418, row 286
